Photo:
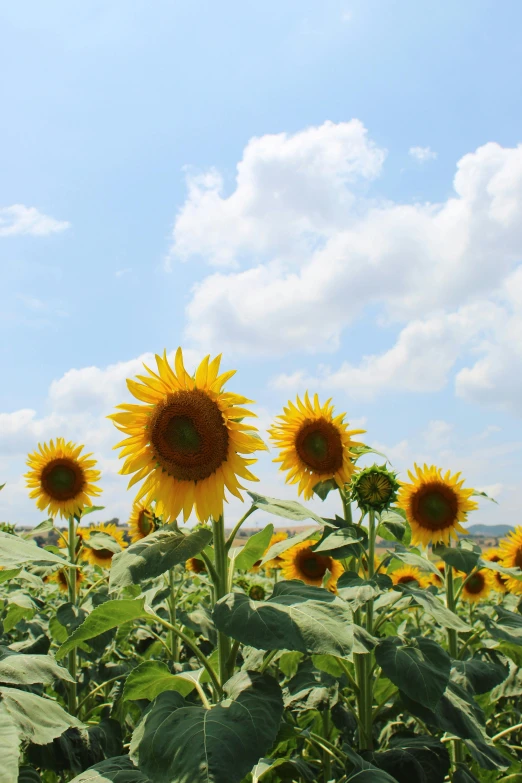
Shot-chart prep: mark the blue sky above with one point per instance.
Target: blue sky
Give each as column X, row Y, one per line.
column 343, row 254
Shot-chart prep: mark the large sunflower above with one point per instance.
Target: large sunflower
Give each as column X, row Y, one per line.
column 103, row 557
column 409, row 575
column 142, row 522
column 301, row 562
column 187, row 439
column 499, row 580
column 477, row 586
column 314, row 445
column 511, row 557
column 435, row 505
column 61, row 479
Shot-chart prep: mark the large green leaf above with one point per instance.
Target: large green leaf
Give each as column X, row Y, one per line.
column 393, row 527
column 296, row 617
column 254, row 548
column 461, row 558
column 419, row 667
column 155, row 554
column 36, row 719
column 11, row 739
column 177, row 742
column 487, row 755
column 365, row 772
column 14, row 551
column 103, row 541
column 289, row 509
column 282, row 546
column 151, row 678
column 434, row 607
column 341, row 543
column 31, row 669
column 410, row 558
column 419, row 759
column 457, row 713
column 115, row 770
column 479, row 676
column 508, row 626
column 358, row 591
column 310, row 689
column 111, row 614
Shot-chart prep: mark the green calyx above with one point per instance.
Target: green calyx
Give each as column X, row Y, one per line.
column 375, row 488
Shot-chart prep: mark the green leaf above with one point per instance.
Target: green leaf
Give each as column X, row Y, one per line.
column 420, row 668
column 8, row 574
column 154, row 555
column 101, row 540
column 91, row 510
column 115, row 770
column 476, row 493
column 11, row 739
column 323, row 488
column 296, row 617
column 487, row 755
column 151, row 678
column 392, row 527
column 310, row 689
column 434, row 607
column 47, row 524
column 31, row 669
column 508, row 627
column 358, row 591
column 15, row 551
column 179, row 742
column 282, row 546
column 478, row 676
column 361, row 450
column 37, row 719
column 462, row 559
column 27, row 775
column 111, row 614
column 254, row 548
column 419, row 759
column 462, row 775
column 341, row 543
column 366, row 772
column 516, row 573
column 410, row 558
column 457, row 713
column 289, row 509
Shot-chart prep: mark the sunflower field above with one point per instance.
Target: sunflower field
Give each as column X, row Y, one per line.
column 169, row 654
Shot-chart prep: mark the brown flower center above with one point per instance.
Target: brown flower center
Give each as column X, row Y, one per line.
column 374, row 488
column 435, row 506
column 62, row 479
column 518, row 558
column 145, row 523
column 319, row 445
column 475, row 584
column 188, row 435
column 406, row 579
column 197, row 566
column 313, row 565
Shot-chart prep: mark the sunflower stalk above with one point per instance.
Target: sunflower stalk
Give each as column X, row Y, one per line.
column 220, row 590
column 453, row 646
column 174, row 639
column 72, row 660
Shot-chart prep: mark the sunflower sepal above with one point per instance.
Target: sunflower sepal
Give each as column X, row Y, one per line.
column 375, row 488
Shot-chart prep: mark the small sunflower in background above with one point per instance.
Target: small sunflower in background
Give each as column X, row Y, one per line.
column 195, row 565
column 61, row 479
column 435, row 505
column 142, row 522
column 375, row 488
column 477, row 586
column 82, row 535
column 301, row 562
column 314, row 445
column 510, row 549
column 103, row 557
column 188, row 440
column 409, row 575
column 276, row 562
column 60, row 577
column 499, row 580
column 257, row 593
column 438, row 581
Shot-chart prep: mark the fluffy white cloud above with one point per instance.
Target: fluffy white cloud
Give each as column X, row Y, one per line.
column 291, row 191
column 422, row 154
column 19, row 219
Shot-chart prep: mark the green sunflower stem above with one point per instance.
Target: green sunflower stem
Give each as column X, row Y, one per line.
column 221, row 589
column 72, row 659
column 347, row 508
column 453, row 647
column 174, row 639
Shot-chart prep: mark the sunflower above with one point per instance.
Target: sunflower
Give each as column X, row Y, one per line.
column 511, row 557
column 499, row 580
column 407, row 575
column 61, row 479
column 187, row 439
column 195, row 565
column 314, row 445
column 435, row 505
column 142, row 522
column 438, row 581
column 476, row 586
column 257, row 593
column 61, row 579
column 375, row 488
column 103, row 557
column 301, row 562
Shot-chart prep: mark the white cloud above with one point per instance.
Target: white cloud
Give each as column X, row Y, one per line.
column 422, row 154
column 19, row 219
column 291, row 192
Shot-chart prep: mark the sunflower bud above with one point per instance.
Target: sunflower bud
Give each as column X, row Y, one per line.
column 375, row 488
column 257, row 593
